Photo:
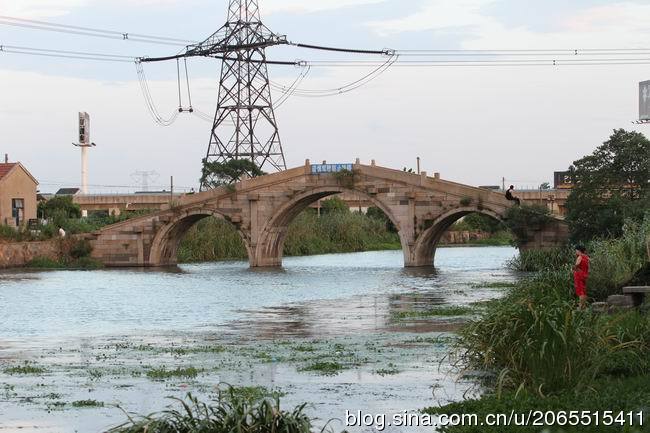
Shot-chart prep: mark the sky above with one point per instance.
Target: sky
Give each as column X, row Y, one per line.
column 474, row 125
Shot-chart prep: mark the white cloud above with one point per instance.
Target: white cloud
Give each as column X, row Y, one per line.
column 618, row 25
column 311, row 6
column 442, row 15
column 38, row 8
column 41, row 9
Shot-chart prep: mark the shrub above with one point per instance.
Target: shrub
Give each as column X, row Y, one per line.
column 44, row 263
column 522, row 220
column 543, row 260
column 535, row 339
column 80, row 248
column 59, row 206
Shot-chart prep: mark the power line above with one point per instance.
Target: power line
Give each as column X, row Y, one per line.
column 93, row 32
column 68, row 54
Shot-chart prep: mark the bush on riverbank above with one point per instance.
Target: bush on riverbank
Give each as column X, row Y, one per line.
column 72, row 253
column 613, row 261
column 608, row 394
column 541, row 353
column 535, row 339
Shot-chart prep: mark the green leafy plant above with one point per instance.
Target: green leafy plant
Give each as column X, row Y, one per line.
column 610, row 186
column 523, row 220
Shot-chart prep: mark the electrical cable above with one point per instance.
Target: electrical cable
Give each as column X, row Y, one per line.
column 146, row 92
column 93, row 32
column 287, row 92
column 341, row 50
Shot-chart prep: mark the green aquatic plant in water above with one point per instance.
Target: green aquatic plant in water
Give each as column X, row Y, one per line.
column 25, row 369
column 87, row 403
column 444, row 311
column 327, row 368
column 230, row 413
column 163, row 373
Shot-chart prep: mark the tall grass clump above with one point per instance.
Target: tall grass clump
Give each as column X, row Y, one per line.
column 535, row 339
column 230, row 413
column 614, row 261
column 211, row 239
column 337, row 232
column 542, row 260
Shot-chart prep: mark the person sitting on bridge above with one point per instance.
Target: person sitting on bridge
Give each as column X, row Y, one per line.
column 580, row 274
column 511, row 197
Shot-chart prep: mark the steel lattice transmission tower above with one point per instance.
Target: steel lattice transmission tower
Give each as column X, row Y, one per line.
column 244, row 123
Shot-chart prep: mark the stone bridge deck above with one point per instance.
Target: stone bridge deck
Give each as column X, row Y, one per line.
column 422, row 208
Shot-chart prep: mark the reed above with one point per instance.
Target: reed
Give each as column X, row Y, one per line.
column 232, row 412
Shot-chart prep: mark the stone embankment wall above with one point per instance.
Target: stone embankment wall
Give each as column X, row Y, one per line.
column 17, row 254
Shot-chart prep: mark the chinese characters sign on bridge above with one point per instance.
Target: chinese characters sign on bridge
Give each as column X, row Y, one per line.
column 330, row 168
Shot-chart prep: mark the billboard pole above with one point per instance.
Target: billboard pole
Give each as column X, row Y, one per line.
column 644, row 103
column 84, row 144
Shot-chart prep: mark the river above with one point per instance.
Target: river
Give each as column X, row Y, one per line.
column 75, row 344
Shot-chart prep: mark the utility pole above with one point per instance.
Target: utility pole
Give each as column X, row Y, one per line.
column 418, row 165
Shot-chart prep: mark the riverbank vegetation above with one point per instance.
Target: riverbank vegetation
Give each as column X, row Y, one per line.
column 542, row 353
column 538, row 351
column 62, row 212
column 69, row 253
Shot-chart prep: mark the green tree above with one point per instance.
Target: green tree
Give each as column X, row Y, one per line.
column 482, row 222
column 524, row 220
column 610, row 186
column 215, row 174
column 60, row 206
column 378, row 214
column 334, row 205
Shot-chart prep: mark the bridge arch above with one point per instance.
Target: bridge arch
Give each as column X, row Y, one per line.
column 268, row 251
column 424, row 251
column 164, row 248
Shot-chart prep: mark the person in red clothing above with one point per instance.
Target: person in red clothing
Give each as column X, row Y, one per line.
column 580, row 274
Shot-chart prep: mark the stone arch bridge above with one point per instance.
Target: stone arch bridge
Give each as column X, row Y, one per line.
column 422, row 208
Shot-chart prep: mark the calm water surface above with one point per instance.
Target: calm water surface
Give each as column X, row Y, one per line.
column 97, row 334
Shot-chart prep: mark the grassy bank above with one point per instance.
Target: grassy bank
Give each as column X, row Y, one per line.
column 613, row 261
column 541, row 353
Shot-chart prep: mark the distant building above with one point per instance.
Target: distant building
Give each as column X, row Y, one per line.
column 68, row 191
column 17, row 195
